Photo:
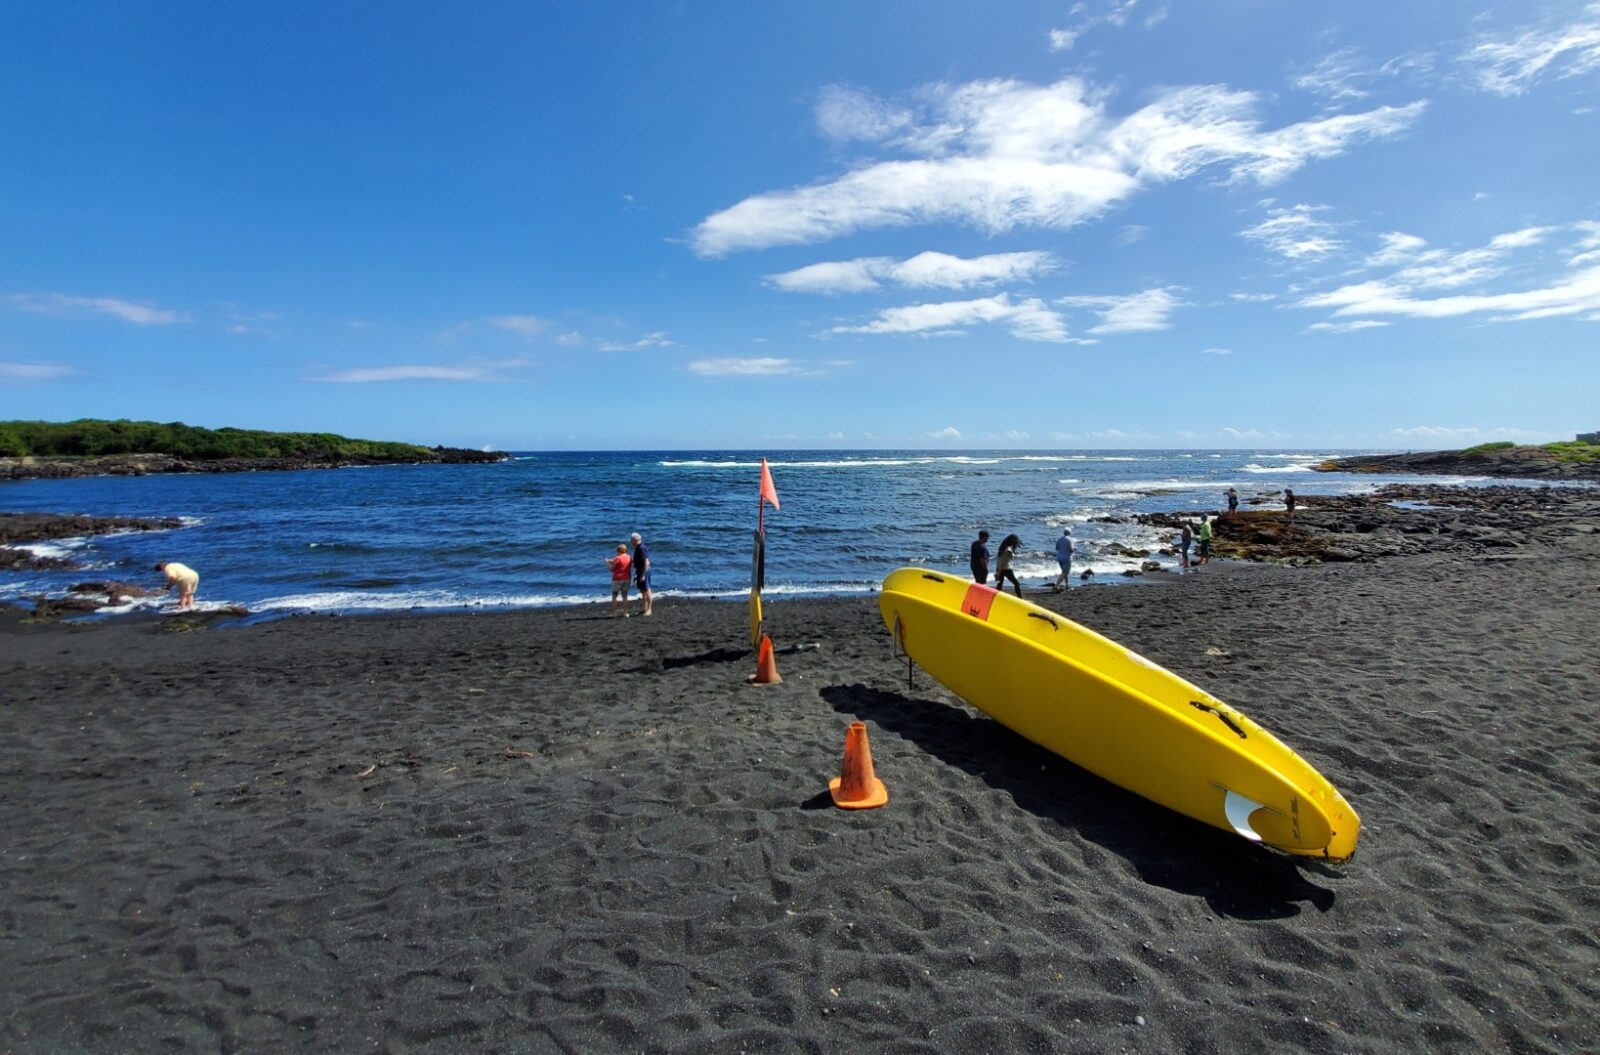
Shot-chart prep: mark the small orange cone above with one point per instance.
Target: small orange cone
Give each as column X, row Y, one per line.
column 766, row 665
column 857, row 788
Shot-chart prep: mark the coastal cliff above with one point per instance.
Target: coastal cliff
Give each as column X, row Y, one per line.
column 1556, row 461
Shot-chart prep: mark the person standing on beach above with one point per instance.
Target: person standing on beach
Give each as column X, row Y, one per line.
column 1204, row 535
column 1185, row 540
column 621, row 571
column 980, row 558
column 1002, row 565
column 1288, row 502
column 1063, row 558
column 184, row 578
column 1233, row 503
column 641, row 574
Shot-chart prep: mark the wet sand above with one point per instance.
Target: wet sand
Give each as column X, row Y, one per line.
column 551, row 831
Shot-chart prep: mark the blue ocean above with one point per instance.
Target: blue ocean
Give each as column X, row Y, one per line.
column 535, row 531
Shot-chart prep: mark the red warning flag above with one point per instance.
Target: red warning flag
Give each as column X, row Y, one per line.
column 769, row 493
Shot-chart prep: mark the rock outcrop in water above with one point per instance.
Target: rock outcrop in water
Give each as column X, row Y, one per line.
column 19, row 528
column 1532, row 463
column 1399, row 519
column 55, row 467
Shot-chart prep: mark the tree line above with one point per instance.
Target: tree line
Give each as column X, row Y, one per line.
column 92, row 436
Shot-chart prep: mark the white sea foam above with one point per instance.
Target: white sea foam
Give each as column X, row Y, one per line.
column 882, row 463
column 1275, row 469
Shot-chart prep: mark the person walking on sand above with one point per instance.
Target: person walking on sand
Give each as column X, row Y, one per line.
column 184, row 578
column 1233, row 503
column 1002, row 565
column 1063, row 558
column 1288, row 502
column 1185, row 540
column 1204, row 535
column 980, row 558
column 641, row 574
column 621, row 571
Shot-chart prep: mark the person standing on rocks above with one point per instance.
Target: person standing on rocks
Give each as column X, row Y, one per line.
column 641, row 574
column 1185, row 540
column 182, row 577
column 1288, row 502
column 1233, row 503
column 1204, row 535
column 980, row 558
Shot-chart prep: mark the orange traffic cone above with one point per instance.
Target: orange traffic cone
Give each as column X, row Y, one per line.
column 766, row 666
column 857, row 788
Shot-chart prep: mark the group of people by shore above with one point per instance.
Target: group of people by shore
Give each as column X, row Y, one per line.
column 629, row 569
column 1006, row 558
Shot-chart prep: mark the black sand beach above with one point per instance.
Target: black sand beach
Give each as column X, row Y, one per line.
column 549, row 831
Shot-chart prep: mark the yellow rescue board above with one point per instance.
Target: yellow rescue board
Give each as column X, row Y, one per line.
column 1115, row 713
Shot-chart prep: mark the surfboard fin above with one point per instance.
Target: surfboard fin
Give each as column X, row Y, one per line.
column 1238, row 810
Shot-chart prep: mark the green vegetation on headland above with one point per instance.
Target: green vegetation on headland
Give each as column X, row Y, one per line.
column 94, row 437
column 1565, row 460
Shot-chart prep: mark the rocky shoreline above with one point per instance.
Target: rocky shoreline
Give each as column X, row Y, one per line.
column 1527, row 463
column 69, row 467
column 1401, row 519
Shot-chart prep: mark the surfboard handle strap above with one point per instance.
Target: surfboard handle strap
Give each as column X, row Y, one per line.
column 1229, row 722
column 930, row 575
column 1040, row 615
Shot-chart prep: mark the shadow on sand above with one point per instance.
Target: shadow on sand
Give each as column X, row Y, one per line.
column 1237, row 878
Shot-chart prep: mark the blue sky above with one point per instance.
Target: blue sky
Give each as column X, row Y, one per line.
column 1116, row 223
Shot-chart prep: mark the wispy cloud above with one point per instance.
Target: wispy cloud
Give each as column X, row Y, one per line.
column 126, row 310
column 1295, row 233
column 15, row 371
column 1463, row 433
column 494, row 371
column 1347, row 327
column 658, row 339
column 1130, row 233
column 1089, row 15
column 522, row 325
column 1346, row 75
column 1420, row 272
column 766, row 366
column 949, row 432
column 1216, row 351
column 1027, row 319
column 998, row 155
column 1512, row 66
column 1129, row 313
column 928, row 270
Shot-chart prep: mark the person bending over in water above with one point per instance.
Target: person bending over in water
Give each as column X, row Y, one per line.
column 185, row 578
column 1002, row 565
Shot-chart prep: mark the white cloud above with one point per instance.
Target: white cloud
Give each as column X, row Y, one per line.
column 1129, row 313
column 1243, row 434
column 1295, row 233
column 1027, row 319
column 924, row 271
column 1002, row 154
column 1252, row 298
column 759, row 367
column 1063, row 39
column 1511, row 67
column 34, row 371
column 1216, row 351
column 126, row 310
column 949, row 432
column 369, row 375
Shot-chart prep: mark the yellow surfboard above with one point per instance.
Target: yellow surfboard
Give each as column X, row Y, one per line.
column 1115, row 713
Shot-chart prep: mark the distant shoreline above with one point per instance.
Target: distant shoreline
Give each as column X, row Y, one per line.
column 1510, row 461
column 68, row 467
